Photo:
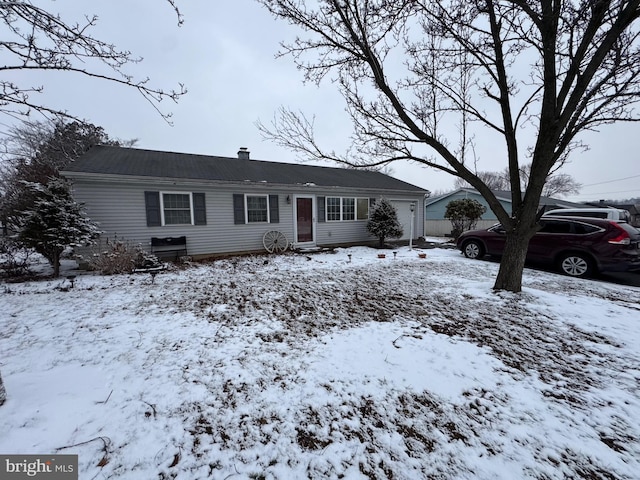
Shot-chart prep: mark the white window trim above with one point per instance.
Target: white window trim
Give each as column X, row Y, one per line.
column 355, row 209
column 246, row 208
column 162, row 194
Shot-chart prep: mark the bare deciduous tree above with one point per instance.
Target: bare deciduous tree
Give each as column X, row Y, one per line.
column 558, row 68
column 493, row 180
column 556, row 185
column 35, row 39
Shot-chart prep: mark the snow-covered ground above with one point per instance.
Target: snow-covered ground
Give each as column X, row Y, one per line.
column 332, row 365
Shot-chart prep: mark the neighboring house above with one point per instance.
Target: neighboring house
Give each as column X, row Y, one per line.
column 226, row 205
column 634, row 211
column 437, row 225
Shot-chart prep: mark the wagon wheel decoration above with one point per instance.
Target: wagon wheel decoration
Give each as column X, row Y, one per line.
column 275, row 242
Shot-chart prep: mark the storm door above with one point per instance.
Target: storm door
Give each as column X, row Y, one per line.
column 304, row 220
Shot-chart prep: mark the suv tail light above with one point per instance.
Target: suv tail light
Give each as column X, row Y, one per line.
column 623, row 237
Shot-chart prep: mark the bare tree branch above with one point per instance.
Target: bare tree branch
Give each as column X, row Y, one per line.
column 410, row 71
column 38, row 40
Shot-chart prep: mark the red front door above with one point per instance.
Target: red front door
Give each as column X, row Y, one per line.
column 304, row 220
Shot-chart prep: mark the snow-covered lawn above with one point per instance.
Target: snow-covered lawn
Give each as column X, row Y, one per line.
column 325, row 366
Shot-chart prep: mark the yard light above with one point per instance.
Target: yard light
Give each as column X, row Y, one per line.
column 412, row 207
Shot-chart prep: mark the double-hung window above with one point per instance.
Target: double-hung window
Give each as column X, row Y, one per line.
column 257, row 208
column 252, row 208
column 176, row 209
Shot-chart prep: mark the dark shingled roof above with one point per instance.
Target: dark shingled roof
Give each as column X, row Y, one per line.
column 109, row 160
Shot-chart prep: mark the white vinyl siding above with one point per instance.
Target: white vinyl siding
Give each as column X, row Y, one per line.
column 120, row 209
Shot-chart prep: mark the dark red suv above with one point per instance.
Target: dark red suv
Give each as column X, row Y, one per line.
column 576, row 246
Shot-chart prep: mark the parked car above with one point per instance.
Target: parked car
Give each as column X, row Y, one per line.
column 576, row 246
column 602, row 212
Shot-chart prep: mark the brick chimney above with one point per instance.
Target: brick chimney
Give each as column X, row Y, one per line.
column 243, row 153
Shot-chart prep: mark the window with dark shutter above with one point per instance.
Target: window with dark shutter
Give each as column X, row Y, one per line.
column 152, row 205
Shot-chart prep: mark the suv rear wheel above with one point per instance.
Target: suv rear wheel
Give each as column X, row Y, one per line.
column 576, row 265
column 473, row 249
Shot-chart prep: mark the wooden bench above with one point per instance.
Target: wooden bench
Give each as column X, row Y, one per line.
column 169, row 248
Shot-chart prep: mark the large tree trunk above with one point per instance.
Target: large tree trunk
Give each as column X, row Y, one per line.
column 512, row 264
column 3, row 392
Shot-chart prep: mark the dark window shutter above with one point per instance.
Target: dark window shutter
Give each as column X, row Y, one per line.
column 321, row 209
column 238, row 208
column 199, row 209
column 152, row 204
column 274, row 212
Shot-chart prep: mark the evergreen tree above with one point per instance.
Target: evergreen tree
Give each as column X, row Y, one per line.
column 383, row 222
column 464, row 214
column 34, row 152
column 55, row 222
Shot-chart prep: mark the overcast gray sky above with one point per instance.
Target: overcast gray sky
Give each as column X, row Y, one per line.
column 224, row 54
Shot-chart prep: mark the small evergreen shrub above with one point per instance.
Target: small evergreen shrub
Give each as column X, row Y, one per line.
column 383, row 222
column 54, row 222
column 464, row 214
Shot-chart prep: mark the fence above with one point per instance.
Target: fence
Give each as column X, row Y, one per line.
column 442, row 228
